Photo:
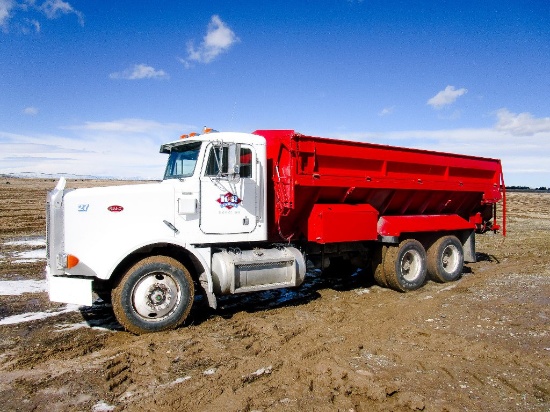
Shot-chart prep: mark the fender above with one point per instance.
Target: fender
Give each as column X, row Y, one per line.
column 205, row 277
column 202, row 256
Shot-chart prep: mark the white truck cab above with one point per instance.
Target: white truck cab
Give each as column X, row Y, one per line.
column 146, row 247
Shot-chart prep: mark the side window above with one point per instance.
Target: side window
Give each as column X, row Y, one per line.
column 246, row 162
column 214, row 159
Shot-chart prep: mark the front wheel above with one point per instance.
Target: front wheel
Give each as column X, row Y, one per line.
column 155, row 294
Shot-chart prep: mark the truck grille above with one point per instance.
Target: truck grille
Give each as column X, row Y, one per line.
column 48, row 230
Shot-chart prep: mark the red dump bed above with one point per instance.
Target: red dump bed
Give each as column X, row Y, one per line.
column 327, row 190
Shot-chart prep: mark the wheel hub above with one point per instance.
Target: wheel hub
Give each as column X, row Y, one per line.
column 155, row 296
column 158, row 295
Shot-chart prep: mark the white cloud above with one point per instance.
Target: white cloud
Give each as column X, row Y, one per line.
column 6, row 7
column 35, row 24
column 31, row 111
column 523, row 124
column 138, row 72
column 50, row 9
column 446, row 97
column 126, row 148
column 386, row 111
column 218, row 39
column 54, row 9
column 134, row 126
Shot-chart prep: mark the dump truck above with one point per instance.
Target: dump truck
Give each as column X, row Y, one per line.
column 239, row 212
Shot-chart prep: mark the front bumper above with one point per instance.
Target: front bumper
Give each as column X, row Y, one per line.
column 69, row 289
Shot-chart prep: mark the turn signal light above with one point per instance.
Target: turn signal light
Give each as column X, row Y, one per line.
column 72, row 261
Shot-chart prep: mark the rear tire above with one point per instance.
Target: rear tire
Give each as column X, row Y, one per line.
column 155, row 294
column 405, row 266
column 445, row 259
column 378, row 266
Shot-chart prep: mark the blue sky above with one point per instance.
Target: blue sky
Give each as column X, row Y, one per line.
column 94, row 87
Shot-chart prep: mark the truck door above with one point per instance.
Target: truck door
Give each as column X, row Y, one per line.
column 229, row 205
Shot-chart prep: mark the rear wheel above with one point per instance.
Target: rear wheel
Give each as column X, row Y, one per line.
column 405, row 266
column 378, row 266
column 445, row 259
column 153, row 295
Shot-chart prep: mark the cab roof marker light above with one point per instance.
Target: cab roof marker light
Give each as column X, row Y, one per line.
column 207, row 130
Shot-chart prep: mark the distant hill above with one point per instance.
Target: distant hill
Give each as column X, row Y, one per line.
column 33, row 175
column 527, row 189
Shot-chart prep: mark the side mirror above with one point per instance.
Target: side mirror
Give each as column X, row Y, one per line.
column 234, row 162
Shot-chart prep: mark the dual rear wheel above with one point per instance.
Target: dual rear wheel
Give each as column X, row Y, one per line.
column 445, row 259
column 407, row 266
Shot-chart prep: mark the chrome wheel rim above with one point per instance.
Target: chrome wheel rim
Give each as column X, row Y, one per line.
column 449, row 259
column 411, row 265
column 155, row 296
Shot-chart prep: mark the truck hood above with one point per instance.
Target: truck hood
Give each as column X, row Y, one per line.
column 116, row 219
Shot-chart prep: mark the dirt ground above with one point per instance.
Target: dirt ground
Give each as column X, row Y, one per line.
column 335, row 344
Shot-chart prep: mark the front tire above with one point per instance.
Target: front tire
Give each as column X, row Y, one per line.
column 405, row 266
column 153, row 295
column 445, row 259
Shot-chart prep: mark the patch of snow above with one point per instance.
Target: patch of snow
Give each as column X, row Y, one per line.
column 31, row 254
column 67, row 327
column 21, row 261
column 263, row 371
column 27, row 256
column 210, row 371
column 29, row 242
column 30, row 316
column 255, row 375
column 102, row 406
column 179, row 380
column 18, row 287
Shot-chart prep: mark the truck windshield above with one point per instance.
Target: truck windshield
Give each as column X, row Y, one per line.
column 182, row 160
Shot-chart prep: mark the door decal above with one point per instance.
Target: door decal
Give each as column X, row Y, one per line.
column 229, row 200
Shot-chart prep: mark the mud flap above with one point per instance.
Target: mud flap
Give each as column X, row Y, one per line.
column 207, row 287
column 469, row 246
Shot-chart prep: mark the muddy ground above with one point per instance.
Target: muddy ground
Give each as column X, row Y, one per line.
column 339, row 343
